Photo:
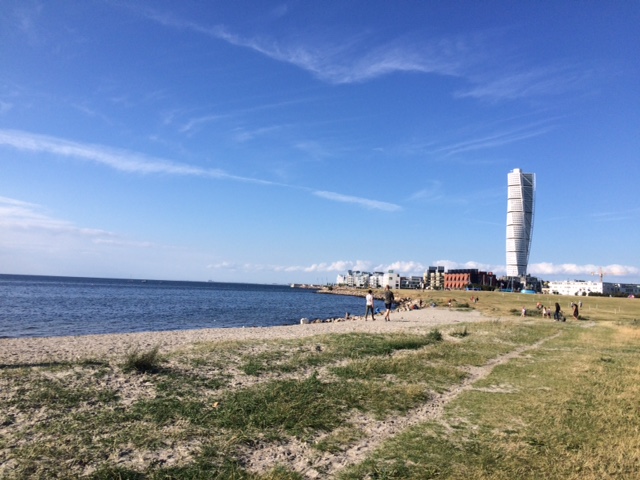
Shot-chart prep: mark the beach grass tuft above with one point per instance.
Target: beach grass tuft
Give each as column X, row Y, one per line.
column 148, row 361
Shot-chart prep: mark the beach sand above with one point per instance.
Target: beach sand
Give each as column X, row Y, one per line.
column 33, row 351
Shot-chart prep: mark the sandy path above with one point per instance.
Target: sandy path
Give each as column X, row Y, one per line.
column 29, row 351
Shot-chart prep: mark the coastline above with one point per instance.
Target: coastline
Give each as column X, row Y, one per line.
column 110, row 347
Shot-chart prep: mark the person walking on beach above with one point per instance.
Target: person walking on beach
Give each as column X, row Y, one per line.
column 388, row 302
column 369, row 299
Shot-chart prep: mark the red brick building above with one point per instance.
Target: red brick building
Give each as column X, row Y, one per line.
column 463, row 278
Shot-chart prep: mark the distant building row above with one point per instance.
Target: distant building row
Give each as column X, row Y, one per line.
column 581, row 287
column 435, row 278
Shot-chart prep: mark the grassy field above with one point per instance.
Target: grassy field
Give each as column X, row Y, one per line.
column 498, row 304
column 508, row 398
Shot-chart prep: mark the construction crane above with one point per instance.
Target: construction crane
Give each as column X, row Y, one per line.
column 600, row 273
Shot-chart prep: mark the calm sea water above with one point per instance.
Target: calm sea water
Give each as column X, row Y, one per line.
column 35, row 306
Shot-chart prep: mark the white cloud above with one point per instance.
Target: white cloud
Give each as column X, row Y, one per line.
column 496, row 139
column 412, row 267
column 132, row 162
column 572, row 269
column 196, row 122
column 534, row 82
column 323, row 267
column 353, row 60
column 117, row 159
column 347, row 60
column 342, row 59
column 406, row 267
column 617, row 216
column 432, row 193
column 485, row 267
column 364, row 202
column 21, row 217
column 242, row 135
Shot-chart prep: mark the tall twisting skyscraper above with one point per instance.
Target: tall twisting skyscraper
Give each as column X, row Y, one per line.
column 520, row 207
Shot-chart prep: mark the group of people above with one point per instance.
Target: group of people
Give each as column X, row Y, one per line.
column 546, row 312
column 557, row 314
column 389, row 299
column 388, row 303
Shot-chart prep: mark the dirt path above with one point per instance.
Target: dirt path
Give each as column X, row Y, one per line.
column 313, row 464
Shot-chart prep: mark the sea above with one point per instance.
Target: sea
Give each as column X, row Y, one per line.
column 44, row 306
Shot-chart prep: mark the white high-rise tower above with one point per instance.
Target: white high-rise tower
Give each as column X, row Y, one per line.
column 520, row 208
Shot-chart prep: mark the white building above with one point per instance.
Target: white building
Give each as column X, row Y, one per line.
column 392, row 279
column 376, row 280
column 354, row 279
column 576, row 287
column 357, row 279
column 582, row 287
column 520, row 210
column 412, row 282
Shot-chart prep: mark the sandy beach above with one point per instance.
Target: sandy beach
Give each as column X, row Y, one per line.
column 32, row 351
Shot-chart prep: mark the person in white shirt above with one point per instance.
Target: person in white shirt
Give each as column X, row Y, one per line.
column 369, row 299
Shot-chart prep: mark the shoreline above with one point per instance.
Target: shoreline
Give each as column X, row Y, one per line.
column 32, row 351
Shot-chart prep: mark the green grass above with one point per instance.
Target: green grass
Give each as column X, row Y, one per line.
column 568, row 409
column 294, row 356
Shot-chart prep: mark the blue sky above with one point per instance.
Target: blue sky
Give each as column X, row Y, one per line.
column 290, row 141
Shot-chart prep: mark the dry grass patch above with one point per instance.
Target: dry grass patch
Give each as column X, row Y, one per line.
column 571, row 411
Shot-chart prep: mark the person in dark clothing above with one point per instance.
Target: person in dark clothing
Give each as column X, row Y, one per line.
column 388, row 302
column 576, row 314
column 558, row 313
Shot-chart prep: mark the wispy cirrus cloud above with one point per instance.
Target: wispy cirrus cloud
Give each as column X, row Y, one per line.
column 496, row 139
column 616, row 216
column 363, row 202
column 197, row 122
column 132, row 162
column 117, row 159
column 242, row 135
column 535, row 82
column 19, row 216
column 348, row 60
column 433, row 192
column 362, row 57
column 36, row 228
